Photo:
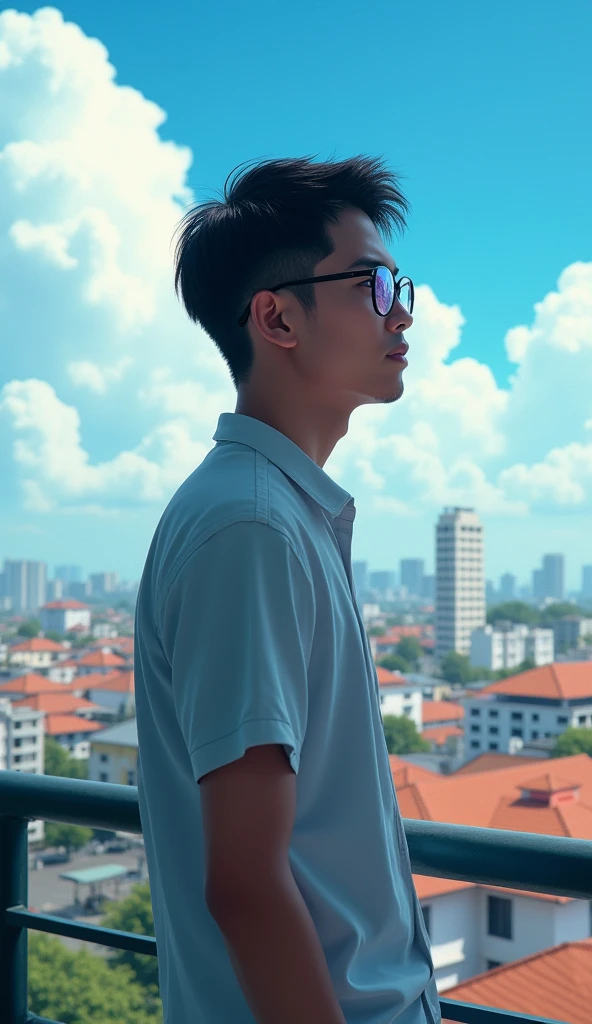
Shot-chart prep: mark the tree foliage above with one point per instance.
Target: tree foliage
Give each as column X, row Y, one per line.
column 394, row 663
column 519, row 611
column 29, row 629
column 134, row 914
column 58, row 762
column 573, row 741
column 83, row 988
column 402, row 736
column 410, row 649
column 73, row 837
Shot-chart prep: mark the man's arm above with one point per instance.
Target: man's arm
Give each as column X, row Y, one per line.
column 248, row 816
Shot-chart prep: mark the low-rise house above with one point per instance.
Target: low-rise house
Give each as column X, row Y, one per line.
column 114, row 755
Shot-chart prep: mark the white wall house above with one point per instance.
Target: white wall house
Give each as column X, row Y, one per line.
column 475, row 928
column 62, row 615
column 399, row 697
column 509, row 644
column 114, row 755
column 22, row 747
column 37, row 654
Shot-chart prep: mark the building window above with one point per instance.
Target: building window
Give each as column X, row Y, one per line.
column 561, row 719
column 131, row 778
column 104, row 758
column 493, row 746
column 516, row 716
column 535, row 717
column 534, row 735
column 475, row 711
column 499, row 915
column 516, row 732
column 582, row 719
column 475, row 728
column 494, row 714
column 493, row 730
column 103, row 777
column 493, row 963
column 475, row 744
column 426, row 918
column 17, row 725
column 407, row 709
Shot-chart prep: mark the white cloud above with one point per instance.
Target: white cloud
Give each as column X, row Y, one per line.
column 92, row 196
column 98, row 378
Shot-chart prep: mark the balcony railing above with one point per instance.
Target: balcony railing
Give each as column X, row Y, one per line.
column 517, row 860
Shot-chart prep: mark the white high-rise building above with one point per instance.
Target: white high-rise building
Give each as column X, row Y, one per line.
column 22, row 747
column 460, row 580
column 25, row 584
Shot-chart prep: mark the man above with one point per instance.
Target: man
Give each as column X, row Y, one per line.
column 279, row 870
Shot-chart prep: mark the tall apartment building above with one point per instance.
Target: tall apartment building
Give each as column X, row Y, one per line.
column 25, row 583
column 412, row 572
column 460, row 580
column 68, row 573
column 554, row 576
column 360, row 578
column 507, row 589
column 103, row 583
column 22, row 747
column 587, row 581
column 382, row 582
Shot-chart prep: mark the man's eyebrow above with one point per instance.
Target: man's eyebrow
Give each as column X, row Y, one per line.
column 372, row 261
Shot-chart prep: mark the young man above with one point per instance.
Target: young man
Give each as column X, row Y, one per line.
column 279, row 870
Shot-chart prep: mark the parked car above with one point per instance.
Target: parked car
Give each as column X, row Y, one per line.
column 117, row 846
column 50, row 857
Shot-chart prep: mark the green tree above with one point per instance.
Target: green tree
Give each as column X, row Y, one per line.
column 402, row 736
column 524, row 666
column 52, row 634
column 394, row 663
column 410, row 649
column 559, row 610
column 59, row 762
column 134, row 914
column 73, row 837
column 82, row 988
column 573, row 741
column 456, row 668
column 514, row 611
column 29, row 629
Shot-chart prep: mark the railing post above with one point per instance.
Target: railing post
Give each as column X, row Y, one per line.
column 14, row 886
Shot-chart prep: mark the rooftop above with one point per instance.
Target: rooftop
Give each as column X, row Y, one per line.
column 566, row 680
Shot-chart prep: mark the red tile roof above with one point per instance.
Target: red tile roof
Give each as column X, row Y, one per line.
column 566, row 680
column 58, row 725
column 387, row 678
column 404, row 773
column 31, row 682
column 99, row 658
column 555, row 983
column 440, row 733
column 57, row 702
column 38, row 643
column 441, row 711
column 121, row 682
column 491, row 761
column 69, row 603
column 495, row 799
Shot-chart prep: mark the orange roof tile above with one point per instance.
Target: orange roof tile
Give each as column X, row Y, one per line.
column 490, row 762
column 387, row 678
column 100, row 658
column 121, row 682
column 31, row 682
column 57, row 702
column 57, row 725
column 441, row 711
column 555, row 983
column 404, row 773
column 37, row 643
column 427, row 886
column 440, row 733
column 550, row 782
column 495, row 799
column 68, row 603
column 566, row 680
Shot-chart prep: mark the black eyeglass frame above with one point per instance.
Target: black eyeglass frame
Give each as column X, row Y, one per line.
column 338, row 277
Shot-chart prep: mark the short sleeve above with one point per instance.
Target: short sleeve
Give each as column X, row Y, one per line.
column 237, row 628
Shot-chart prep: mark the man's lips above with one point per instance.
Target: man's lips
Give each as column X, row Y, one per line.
column 399, row 350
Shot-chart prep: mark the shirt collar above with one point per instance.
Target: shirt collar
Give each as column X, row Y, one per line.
column 288, row 457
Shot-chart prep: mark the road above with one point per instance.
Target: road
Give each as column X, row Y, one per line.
column 50, row 894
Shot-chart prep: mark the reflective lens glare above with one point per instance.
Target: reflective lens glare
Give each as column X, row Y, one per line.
column 384, row 289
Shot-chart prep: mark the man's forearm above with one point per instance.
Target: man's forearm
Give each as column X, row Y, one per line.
column 277, row 956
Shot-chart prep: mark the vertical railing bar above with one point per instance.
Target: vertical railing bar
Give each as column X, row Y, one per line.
column 14, row 891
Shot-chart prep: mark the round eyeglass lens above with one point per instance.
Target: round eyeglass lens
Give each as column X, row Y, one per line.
column 405, row 296
column 384, row 290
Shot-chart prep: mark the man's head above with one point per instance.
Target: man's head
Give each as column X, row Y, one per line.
column 284, row 220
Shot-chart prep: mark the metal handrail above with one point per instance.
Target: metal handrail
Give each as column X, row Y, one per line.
column 516, row 860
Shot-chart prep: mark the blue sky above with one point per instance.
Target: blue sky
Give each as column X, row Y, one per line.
column 109, row 397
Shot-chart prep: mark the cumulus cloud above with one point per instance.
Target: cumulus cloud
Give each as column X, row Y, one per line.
column 92, row 197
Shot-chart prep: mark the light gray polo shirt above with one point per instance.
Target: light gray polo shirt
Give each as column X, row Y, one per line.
column 247, row 632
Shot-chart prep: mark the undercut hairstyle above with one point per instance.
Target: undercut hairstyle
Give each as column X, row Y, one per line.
column 270, row 227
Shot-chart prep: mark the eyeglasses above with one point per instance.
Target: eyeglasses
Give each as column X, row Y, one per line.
column 384, row 289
